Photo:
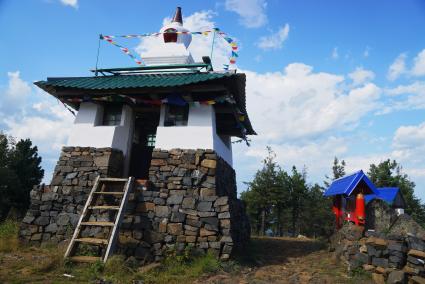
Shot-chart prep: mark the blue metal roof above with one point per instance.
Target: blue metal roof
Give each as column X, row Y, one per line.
column 388, row 194
column 347, row 184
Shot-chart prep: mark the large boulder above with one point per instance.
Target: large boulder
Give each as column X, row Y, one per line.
column 379, row 216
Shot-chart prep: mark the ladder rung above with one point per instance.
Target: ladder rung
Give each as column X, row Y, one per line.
column 98, row 223
column 109, row 192
column 104, row 207
column 114, row 179
column 82, row 258
column 92, row 241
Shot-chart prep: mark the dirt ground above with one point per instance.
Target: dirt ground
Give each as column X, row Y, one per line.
column 266, row 260
column 288, row 260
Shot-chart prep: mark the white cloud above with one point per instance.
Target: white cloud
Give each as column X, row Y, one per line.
column 360, row 76
column 414, row 88
column 38, row 116
column 47, row 133
column 276, row 40
column 252, row 12
column 409, row 149
column 13, row 97
column 397, row 68
column 71, row 3
column 314, row 154
column 419, row 64
column 200, row 46
column 17, row 88
column 410, row 137
column 335, row 54
column 300, row 103
column 405, row 97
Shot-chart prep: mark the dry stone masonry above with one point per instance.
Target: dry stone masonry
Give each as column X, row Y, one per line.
column 55, row 208
column 190, row 199
column 393, row 253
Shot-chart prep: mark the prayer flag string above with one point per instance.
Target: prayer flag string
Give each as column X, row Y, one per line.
column 123, row 49
column 232, row 58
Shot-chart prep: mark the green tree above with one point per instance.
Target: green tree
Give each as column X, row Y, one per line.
column 281, row 201
column 390, row 174
column 26, row 164
column 259, row 195
column 318, row 218
column 297, row 196
column 338, row 170
column 20, row 170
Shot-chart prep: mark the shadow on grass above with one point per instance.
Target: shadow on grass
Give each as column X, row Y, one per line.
column 272, row 251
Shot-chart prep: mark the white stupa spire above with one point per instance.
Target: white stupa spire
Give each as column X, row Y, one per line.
column 172, row 48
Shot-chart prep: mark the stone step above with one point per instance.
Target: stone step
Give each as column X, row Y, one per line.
column 93, row 241
column 98, row 223
column 104, row 207
column 85, row 259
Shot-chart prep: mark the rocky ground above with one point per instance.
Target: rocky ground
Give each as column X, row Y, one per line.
column 288, row 260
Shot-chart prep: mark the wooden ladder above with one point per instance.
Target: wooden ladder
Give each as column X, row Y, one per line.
column 105, row 246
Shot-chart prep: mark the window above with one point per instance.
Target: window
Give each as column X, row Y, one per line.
column 176, row 115
column 151, row 140
column 170, row 35
column 112, row 115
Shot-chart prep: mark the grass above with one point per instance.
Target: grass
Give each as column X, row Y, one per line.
column 175, row 271
column 9, row 236
column 257, row 263
column 25, row 264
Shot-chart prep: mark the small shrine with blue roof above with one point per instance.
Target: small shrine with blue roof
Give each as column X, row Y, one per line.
column 351, row 193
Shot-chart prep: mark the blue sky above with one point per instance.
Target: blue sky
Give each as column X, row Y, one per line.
column 324, row 78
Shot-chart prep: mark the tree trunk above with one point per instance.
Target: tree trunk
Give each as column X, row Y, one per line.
column 263, row 222
column 279, row 222
column 294, row 221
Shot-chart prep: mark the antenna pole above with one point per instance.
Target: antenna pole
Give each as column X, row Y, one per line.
column 98, row 51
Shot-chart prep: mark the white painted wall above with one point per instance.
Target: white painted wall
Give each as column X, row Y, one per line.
column 87, row 130
column 200, row 133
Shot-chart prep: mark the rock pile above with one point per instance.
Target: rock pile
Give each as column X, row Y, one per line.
column 390, row 258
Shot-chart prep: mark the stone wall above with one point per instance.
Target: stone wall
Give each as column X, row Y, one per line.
column 396, row 255
column 190, row 199
column 55, row 208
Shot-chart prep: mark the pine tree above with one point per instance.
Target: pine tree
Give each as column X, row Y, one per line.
column 259, row 196
column 338, row 170
column 390, row 174
column 25, row 162
column 298, row 192
column 20, row 170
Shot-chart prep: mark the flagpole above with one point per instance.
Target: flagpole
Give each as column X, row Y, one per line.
column 212, row 46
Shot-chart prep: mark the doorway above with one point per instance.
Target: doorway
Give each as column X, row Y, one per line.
column 145, row 125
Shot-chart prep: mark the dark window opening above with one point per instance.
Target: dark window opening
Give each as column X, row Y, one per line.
column 170, row 35
column 112, row 115
column 176, row 115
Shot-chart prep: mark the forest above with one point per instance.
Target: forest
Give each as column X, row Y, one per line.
column 284, row 203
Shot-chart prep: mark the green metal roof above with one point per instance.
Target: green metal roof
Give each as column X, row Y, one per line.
column 132, row 81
